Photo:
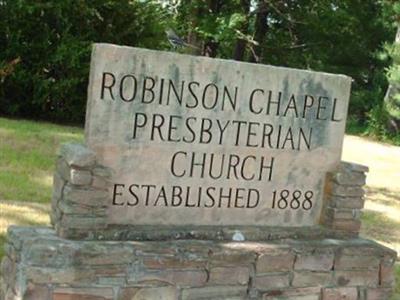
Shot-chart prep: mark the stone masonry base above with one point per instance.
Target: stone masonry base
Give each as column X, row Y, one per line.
column 41, row 266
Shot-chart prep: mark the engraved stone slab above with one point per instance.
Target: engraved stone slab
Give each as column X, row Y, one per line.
column 200, row 141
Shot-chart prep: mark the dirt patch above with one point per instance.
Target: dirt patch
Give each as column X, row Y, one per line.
column 381, row 218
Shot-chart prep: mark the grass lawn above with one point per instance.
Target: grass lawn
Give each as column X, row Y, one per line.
column 27, row 159
column 28, row 154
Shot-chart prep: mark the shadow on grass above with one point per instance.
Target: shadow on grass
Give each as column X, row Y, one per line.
column 378, row 226
column 16, row 218
column 388, row 195
column 37, row 207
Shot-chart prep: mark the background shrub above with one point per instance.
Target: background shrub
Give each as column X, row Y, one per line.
column 53, row 41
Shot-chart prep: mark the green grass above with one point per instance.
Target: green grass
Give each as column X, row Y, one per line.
column 388, row 231
column 397, row 276
column 2, row 242
column 27, row 158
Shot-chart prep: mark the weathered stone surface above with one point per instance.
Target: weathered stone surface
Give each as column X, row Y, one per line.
column 63, row 169
column 160, row 262
column 45, row 255
column 37, row 292
column 100, row 183
column 161, row 293
column 58, row 185
column 347, row 191
column 214, row 293
column 348, row 262
column 230, row 256
column 386, row 275
column 97, row 293
column 357, row 278
column 306, row 278
column 336, row 293
column 377, row 294
column 347, row 202
column 350, row 178
column 43, row 275
column 80, row 177
column 182, row 278
column 365, row 247
column 343, row 213
column 279, row 261
column 102, row 171
column 312, row 293
column 315, row 260
column 84, row 196
column 201, row 103
column 346, row 225
column 77, row 155
column 108, row 270
column 69, row 208
column 273, row 281
column 226, row 276
column 93, row 253
column 76, row 221
column 355, row 167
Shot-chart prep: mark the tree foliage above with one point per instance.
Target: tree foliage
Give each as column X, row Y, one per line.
column 337, row 36
column 391, row 106
column 52, row 40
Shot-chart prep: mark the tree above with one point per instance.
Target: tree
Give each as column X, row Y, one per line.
column 45, row 50
column 392, row 97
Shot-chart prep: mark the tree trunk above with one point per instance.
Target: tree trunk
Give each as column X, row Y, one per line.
column 210, row 48
column 240, row 47
column 260, row 31
column 391, row 101
column 192, row 37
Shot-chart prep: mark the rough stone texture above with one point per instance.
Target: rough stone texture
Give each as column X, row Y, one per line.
column 303, row 279
column 40, row 265
column 376, row 294
column 80, row 193
column 315, row 260
column 77, row 155
column 279, row 259
column 227, row 276
column 272, row 281
column 340, row 293
column 344, row 198
column 313, row 293
column 162, row 293
column 215, row 292
column 131, row 88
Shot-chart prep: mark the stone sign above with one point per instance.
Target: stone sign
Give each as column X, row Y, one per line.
column 200, row 141
column 181, row 149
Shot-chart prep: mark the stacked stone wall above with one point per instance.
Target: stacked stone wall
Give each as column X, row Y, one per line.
column 344, row 198
column 40, row 265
